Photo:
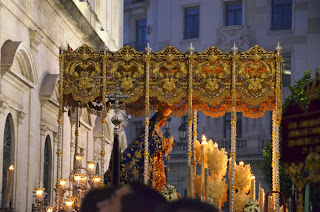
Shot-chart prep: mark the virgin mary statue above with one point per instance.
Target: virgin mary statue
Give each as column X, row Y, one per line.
column 132, row 161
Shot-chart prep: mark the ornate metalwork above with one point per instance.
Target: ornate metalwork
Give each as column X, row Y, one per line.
column 211, row 81
column 84, row 79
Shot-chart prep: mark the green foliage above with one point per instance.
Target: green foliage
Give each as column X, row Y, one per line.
column 298, row 95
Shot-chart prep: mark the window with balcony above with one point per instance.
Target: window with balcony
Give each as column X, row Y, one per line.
column 191, row 23
column 286, row 70
column 281, row 14
column 141, row 35
column 233, row 13
column 227, row 125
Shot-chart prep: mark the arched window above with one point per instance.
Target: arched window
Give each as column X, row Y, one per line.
column 47, row 168
column 7, row 154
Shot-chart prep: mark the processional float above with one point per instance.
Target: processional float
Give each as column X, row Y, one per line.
column 211, row 81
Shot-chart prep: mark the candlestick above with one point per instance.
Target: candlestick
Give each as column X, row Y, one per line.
column 63, row 182
column 78, row 159
column 69, row 204
column 39, row 194
column 91, row 167
column 83, row 179
column 253, row 187
column 96, row 181
column 76, row 178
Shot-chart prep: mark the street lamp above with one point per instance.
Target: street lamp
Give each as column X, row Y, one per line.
column 167, row 128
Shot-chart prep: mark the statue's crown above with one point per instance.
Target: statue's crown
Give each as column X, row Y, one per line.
column 312, row 89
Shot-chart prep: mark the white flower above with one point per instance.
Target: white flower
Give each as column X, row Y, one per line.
column 170, row 193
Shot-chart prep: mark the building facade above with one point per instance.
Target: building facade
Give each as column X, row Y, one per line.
column 293, row 23
column 31, row 33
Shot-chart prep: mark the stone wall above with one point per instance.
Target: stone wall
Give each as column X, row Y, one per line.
column 31, row 34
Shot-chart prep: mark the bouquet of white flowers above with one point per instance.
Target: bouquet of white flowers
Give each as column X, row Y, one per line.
column 170, row 193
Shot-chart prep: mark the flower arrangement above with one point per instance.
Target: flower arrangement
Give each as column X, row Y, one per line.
column 217, row 160
column 170, row 193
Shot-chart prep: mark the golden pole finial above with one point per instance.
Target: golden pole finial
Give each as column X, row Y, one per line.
column 234, row 49
column 278, row 48
column 191, row 49
column 148, row 49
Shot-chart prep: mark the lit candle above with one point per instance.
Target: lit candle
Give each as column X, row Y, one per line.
column 215, row 146
column 83, row 179
column 96, row 181
column 63, row 182
column 253, row 187
column 204, row 145
column 69, row 204
column 241, row 164
column 76, row 178
column 9, row 184
column 39, row 194
column 50, row 209
column 78, row 160
column 91, row 167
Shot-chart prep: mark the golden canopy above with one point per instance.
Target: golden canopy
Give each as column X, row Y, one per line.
column 89, row 75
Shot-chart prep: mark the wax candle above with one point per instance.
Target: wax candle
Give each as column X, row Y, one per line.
column 83, row 179
column 96, row 181
column 78, row 160
column 50, row 209
column 39, row 194
column 91, row 167
column 253, row 187
column 63, row 182
column 9, row 184
column 69, row 204
column 77, row 178
column 215, row 146
column 241, row 164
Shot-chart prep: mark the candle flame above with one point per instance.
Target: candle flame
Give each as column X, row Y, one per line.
column 39, row 191
column 253, row 177
column 63, row 182
column 11, row 168
column 91, row 164
column 215, row 144
column 241, row 163
column 50, row 209
column 69, row 202
column 97, row 178
column 204, row 137
column 77, row 177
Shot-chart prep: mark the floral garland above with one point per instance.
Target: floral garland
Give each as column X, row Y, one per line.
column 170, row 193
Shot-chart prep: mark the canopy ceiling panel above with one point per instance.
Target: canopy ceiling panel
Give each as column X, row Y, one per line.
column 87, row 74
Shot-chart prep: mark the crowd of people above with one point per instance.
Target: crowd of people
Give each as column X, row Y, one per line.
column 137, row 197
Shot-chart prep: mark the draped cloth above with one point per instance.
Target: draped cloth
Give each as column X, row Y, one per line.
column 132, row 161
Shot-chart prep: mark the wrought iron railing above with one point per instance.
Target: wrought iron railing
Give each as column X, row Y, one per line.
column 180, row 146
